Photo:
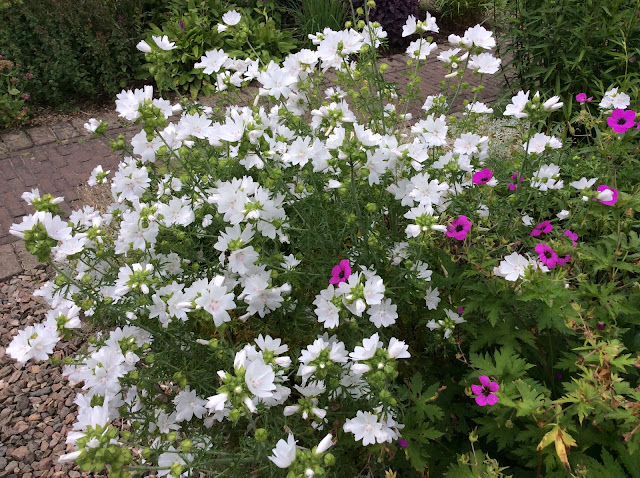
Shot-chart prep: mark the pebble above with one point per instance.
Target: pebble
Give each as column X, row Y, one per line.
column 36, row 402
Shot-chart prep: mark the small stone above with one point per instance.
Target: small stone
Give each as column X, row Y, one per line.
column 20, row 453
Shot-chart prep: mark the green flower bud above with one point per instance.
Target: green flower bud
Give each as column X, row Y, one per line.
column 185, row 446
column 261, row 435
column 329, row 459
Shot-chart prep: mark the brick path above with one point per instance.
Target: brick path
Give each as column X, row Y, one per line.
column 59, row 157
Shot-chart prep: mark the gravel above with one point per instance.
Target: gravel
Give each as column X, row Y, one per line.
column 36, row 402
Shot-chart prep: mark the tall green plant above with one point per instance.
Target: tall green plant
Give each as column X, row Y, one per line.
column 311, row 16
column 570, row 46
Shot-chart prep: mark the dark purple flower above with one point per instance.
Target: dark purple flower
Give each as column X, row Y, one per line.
column 460, row 310
column 459, row 228
column 547, row 255
column 484, row 392
column 582, row 98
column 621, row 120
column 340, row 272
column 482, row 177
column 600, row 326
column 544, row 226
column 558, row 376
column 403, row 443
column 614, row 197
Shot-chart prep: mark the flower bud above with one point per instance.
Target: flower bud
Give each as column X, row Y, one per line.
column 261, row 435
column 329, row 459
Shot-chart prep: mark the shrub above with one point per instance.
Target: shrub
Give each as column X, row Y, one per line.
column 198, row 26
column 568, row 47
column 76, row 50
column 459, row 9
column 311, row 286
column 12, row 94
column 391, row 14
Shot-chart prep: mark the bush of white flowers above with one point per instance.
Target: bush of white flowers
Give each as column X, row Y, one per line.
column 314, row 284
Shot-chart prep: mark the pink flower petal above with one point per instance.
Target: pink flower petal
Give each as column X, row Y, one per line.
column 476, row 389
column 481, row 400
column 492, row 399
column 494, row 387
column 484, row 380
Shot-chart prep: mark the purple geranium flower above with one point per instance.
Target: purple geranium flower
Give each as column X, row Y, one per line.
column 484, row 392
column 459, row 228
column 573, row 236
column 614, row 197
column 482, row 177
column 621, row 120
column 547, row 256
column 340, row 272
column 582, row 98
column 544, row 226
column 403, row 443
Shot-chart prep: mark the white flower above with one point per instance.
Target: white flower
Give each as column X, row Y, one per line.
column 563, row 214
column 518, row 103
column 231, row 18
column 364, row 426
column 409, row 28
column 432, row 298
column 259, row 378
column 583, row 183
column 614, row 100
column 420, row 49
column 34, row 342
column 212, row 61
column 480, row 37
column 484, row 63
column 189, row 404
column 325, row 444
column 143, row 46
column 164, row 43
column 398, row 349
column 92, row 125
column 284, row 454
column 512, row 267
column 368, row 348
column 383, row 314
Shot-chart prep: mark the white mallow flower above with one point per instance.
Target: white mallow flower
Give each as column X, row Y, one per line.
column 167, row 459
column 188, row 405
column 512, row 267
column 383, row 314
column 518, row 103
column 34, row 342
column 432, row 298
column 409, row 28
column 614, row 100
column 325, row 444
column 583, row 183
column 546, row 177
column 368, row 348
column 420, row 49
column 527, row 220
column 327, row 312
column 212, row 61
column 365, row 427
column 217, row 402
column 92, row 125
column 259, row 378
column 284, row 454
column 478, row 36
column 143, row 46
column 164, row 43
column 552, row 104
column 231, row 18
column 539, row 142
column 216, row 299
column 605, row 195
column 484, row 63
column 563, row 214
column 398, row 349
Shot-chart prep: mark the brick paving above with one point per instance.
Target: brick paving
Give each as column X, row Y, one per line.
column 58, row 158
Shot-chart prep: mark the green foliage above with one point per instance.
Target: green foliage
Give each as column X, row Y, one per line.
column 571, row 46
column 12, row 94
column 193, row 27
column 308, row 17
column 459, row 9
column 76, row 50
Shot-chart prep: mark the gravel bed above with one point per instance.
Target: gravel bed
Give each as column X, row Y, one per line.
column 36, row 402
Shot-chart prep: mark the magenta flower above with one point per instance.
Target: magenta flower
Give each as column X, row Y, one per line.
column 484, row 392
column 403, row 443
column 459, row 228
column 582, row 98
column 548, row 256
column 482, row 177
column 515, row 176
column 613, row 199
column 340, row 272
column 621, row 120
column 460, row 310
column 544, row 226
column 573, row 236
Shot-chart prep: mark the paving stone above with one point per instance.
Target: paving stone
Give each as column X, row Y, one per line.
column 9, row 263
column 27, row 260
column 41, row 135
column 64, row 131
column 3, row 148
column 16, row 140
